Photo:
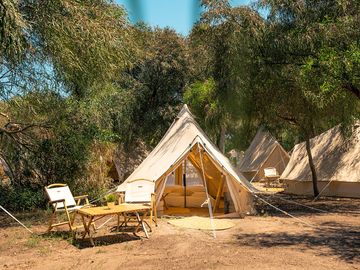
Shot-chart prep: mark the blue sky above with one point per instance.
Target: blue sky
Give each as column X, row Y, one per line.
column 177, row 14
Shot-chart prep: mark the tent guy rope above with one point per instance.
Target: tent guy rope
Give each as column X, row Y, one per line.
column 7, row 212
column 286, row 213
column 300, row 204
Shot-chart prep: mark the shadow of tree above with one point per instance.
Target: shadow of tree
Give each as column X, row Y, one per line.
column 330, row 239
column 305, row 206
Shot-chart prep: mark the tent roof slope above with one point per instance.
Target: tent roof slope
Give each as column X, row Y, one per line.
column 335, row 158
column 176, row 143
column 259, row 150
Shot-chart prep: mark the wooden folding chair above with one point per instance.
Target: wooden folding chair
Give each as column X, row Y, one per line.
column 271, row 175
column 140, row 191
column 62, row 201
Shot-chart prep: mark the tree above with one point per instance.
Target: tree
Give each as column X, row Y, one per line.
column 219, row 44
column 86, row 42
column 306, row 67
column 156, row 82
column 61, row 62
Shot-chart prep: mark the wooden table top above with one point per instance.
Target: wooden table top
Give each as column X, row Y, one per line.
column 113, row 210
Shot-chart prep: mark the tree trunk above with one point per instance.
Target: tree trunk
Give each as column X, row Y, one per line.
column 312, row 167
column 221, row 143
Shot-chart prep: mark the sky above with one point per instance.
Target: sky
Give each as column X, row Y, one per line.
column 177, row 14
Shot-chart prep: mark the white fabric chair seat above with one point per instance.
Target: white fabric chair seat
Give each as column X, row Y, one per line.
column 69, row 208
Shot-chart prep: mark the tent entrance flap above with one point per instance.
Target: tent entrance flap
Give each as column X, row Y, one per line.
column 218, row 194
column 213, row 177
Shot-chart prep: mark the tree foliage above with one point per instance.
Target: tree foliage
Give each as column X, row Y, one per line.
column 77, row 81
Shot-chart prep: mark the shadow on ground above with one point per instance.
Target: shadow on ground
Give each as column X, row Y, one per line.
column 305, row 206
column 329, row 239
column 101, row 238
column 38, row 217
column 106, row 240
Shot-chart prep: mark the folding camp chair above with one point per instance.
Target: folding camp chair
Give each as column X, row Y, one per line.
column 271, row 175
column 140, row 191
column 62, row 201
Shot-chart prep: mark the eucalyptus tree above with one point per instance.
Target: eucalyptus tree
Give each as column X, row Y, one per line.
column 220, row 43
column 309, row 59
column 156, row 83
column 86, row 42
column 57, row 59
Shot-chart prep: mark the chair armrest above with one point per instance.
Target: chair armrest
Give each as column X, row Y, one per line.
column 81, row 197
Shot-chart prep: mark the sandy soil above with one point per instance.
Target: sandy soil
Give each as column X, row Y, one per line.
column 271, row 241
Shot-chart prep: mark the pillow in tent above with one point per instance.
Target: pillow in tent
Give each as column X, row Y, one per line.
column 200, row 194
column 196, row 188
column 173, row 189
column 182, row 193
column 198, row 198
column 195, row 201
column 174, row 201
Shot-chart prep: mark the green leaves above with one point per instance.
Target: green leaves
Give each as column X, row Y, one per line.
column 87, row 41
column 12, row 32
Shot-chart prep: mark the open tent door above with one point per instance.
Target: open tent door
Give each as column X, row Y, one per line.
column 204, row 183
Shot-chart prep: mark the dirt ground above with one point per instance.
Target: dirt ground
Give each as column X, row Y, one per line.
column 267, row 241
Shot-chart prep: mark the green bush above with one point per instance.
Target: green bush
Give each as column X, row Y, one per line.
column 22, row 198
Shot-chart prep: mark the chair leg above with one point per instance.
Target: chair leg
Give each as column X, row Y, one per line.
column 125, row 220
column 73, row 219
column 155, row 215
column 51, row 221
column 147, row 224
column 68, row 218
column 151, row 217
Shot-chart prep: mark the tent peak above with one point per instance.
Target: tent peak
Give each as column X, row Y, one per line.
column 185, row 109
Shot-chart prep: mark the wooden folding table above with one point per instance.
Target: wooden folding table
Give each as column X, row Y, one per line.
column 89, row 215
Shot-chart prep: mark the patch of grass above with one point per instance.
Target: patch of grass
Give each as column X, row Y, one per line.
column 33, row 241
column 128, row 247
column 44, row 251
column 27, row 223
column 100, row 251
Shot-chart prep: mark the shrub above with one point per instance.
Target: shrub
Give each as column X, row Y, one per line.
column 22, row 198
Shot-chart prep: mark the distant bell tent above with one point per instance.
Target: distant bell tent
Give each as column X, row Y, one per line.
column 264, row 152
column 191, row 172
column 337, row 163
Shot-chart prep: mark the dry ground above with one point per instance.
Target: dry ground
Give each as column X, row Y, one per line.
column 270, row 241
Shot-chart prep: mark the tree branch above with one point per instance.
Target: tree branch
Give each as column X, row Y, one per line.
column 352, row 88
column 291, row 120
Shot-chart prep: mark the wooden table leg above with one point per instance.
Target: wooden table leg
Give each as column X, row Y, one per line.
column 84, row 225
column 141, row 223
column 89, row 232
column 87, row 226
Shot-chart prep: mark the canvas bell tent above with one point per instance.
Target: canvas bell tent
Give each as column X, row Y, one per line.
column 263, row 152
column 337, row 163
column 167, row 165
